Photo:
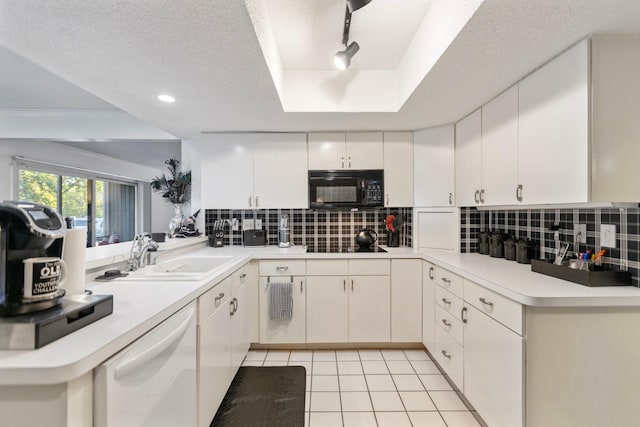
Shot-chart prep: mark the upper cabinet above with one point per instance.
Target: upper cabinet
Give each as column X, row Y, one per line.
column 398, row 169
column 433, row 167
column 468, row 159
column 356, row 150
column 244, row 171
column 553, row 136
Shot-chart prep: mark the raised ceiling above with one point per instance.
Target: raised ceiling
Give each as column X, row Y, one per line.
column 208, row 54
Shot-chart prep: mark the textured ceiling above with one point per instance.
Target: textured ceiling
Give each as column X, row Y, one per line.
column 206, row 53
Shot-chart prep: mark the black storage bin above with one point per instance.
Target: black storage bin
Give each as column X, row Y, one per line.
column 510, row 249
column 483, row 243
column 496, row 248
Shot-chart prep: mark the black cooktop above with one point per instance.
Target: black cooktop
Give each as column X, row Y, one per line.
column 373, row 249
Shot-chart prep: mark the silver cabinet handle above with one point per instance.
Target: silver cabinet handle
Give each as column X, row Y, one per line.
column 431, row 273
column 351, row 285
column 233, row 307
column 243, row 276
column 476, row 196
column 250, row 202
column 481, row 196
column 344, row 284
column 342, row 158
column 447, row 281
column 447, row 324
column 446, row 301
column 282, row 268
column 235, row 304
column 463, row 314
column 450, row 198
column 349, row 161
column 445, row 354
column 257, row 201
column 485, row 302
column 387, row 200
column 519, row 192
column 219, row 297
column 301, row 290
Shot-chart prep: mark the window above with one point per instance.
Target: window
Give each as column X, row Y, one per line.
column 105, row 208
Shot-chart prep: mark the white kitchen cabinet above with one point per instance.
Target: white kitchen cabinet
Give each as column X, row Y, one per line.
column 398, row 169
column 241, row 317
column 500, row 149
column 433, row 167
column 292, row 331
column 428, row 306
column 256, row 170
column 369, row 309
column 406, row 300
column 437, row 228
column 327, row 309
column 493, row 369
column 553, row 149
column 354, row 150
column 468, row 160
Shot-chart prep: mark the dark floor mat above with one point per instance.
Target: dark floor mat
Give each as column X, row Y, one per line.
column 269, row 396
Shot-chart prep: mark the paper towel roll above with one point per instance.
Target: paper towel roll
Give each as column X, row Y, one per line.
column 74, row 247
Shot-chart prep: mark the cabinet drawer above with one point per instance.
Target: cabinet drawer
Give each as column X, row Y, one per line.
column 500, row 308
column 449, row 281
column 327, row 267
column 240, row 277
column 213, row 299
column 449, row 354
column 450, row 324
column 285, row 267
column 448, row 301
column 369, row 267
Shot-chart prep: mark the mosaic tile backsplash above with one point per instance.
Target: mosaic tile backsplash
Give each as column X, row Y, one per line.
column 535, row 224
column 320, row 230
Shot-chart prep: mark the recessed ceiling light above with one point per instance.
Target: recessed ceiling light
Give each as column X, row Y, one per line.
column 166, row 98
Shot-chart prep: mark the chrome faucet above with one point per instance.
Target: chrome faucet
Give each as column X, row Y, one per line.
column 142, row 243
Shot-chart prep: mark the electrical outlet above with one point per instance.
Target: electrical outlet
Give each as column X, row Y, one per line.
column 580, row 233
column 258, row 224
column 248, row 224
column 608, row 235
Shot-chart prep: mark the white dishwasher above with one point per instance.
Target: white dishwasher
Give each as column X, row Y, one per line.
column 153, row 381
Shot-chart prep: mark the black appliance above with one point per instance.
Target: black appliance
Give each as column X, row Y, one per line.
column 27, row 230
column 365, row 239
column 254, row 238
column 347, row 250
column 333, row 189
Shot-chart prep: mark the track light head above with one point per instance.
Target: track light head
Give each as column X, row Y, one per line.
column 357, row 4
column 342, row 59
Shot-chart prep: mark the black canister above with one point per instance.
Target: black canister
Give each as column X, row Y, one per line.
column 510, row 249
column 483, row 243
column 496, row 248
column 525, row 251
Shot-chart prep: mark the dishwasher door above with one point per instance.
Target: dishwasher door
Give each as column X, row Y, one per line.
column 153, row 381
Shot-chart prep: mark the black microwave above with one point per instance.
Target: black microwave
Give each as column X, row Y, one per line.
column 331, row 189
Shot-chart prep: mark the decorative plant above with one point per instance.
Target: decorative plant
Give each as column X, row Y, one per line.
column 177, row 187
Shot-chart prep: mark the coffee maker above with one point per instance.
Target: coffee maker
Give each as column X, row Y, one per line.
column 30, row 257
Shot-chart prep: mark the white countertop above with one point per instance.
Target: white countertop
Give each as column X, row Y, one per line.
column 141, row 305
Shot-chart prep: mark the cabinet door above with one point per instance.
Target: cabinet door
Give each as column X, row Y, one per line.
column 240, row 326
column 326, row 151
column 406, row 300
column 433, row 167
column 280, row 177
column 500, row 149
column 226, row 156
column 292, row 331
column 469, row 159
column 493, row 370
column 428, row 306
column 214, row 363
column 327, row 309
column 364, row 150
column 553, row 151
column 369, row 309
column 398, row 169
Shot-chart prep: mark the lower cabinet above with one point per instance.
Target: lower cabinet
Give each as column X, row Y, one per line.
column 327, row 309
column 406, row 300
column 428, row 306
column 223, row 339
column 369, row 309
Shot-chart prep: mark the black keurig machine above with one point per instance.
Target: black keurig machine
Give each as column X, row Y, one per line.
column 30, row 257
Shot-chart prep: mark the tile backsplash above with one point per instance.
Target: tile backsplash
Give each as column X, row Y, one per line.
column 318, row 229
column 535, row 224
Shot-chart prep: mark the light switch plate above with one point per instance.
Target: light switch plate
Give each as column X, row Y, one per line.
column 608, row 235
column 258, row 224
column 582, row 229
column 248, row 224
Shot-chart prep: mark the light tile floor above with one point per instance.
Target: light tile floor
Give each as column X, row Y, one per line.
column 372, row 388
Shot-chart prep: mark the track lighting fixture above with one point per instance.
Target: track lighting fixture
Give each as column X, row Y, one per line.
column 342, row 59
